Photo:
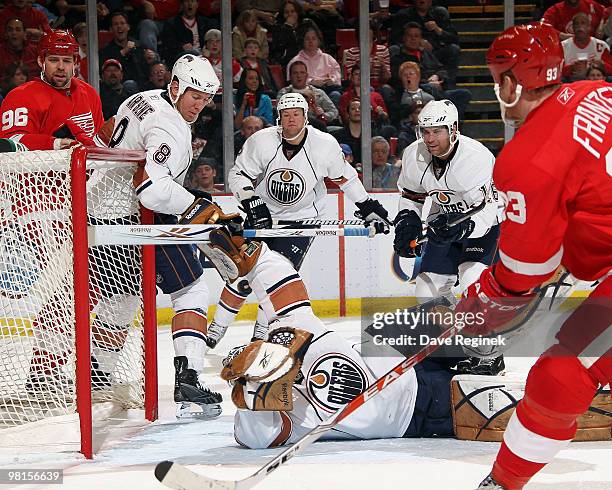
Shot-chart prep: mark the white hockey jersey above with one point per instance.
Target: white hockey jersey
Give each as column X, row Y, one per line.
column 466, row 181
column 333, row 374
column 593, row 51
column 293, row 189
column 147, row 121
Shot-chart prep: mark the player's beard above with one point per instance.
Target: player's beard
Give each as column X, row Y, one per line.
column 52, row 83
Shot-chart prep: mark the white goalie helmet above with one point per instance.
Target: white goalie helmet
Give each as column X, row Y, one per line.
column 291, row 100
column 194, row 72
column 440, row 113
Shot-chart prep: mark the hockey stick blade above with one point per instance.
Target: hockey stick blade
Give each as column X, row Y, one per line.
column 179, row 477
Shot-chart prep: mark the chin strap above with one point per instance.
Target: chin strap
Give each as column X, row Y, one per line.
column 453, row 142
column 515, row 123
column 280, row 132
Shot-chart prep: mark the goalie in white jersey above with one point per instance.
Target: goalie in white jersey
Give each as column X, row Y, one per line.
column 456, row 173
column 311, row 372
column 280, row 174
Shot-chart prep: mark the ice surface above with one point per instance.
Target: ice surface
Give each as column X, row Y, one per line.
column 129, row 449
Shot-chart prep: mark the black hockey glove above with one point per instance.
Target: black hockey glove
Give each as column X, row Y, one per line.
column 439, row 229
column 373, row 213
column 408, row 227
column 258, row 214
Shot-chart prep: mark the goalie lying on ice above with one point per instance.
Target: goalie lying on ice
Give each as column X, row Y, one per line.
column 300, row 376
column 294, row 381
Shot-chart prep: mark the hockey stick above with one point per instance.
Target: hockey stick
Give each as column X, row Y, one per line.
column 464, row 217
column 179, row 477
column 318, row 222
column 174, row 234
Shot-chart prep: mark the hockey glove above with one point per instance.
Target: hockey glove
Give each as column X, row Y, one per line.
column 373, row 213
column 258, row 214
column 263, row 373
column 492, row 309
column 203, row 211
column 440, row 231
column 408, row 227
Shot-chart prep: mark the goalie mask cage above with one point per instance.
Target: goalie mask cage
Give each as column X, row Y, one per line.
column 77, row 323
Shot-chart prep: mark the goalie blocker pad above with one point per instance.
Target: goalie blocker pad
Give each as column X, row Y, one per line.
column 232, row 256
column 482, row 406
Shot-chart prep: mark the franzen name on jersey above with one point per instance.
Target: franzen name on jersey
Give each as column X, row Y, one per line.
column 465, row 181
column 147, row 121
column 292, row 186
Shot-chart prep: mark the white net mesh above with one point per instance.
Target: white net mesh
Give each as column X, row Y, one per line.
column 37, row 351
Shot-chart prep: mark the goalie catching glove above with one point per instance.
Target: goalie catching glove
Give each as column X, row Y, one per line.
column 373, row 213
column 263, row 373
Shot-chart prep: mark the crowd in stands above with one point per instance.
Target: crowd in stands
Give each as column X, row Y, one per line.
column 289, row 46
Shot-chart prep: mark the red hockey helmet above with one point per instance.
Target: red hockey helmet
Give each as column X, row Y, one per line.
column 531, row 52
column 59, row 43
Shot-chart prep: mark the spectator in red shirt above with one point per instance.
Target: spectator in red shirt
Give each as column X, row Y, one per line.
column 15, row 49
column 560, row 16
column 380, row 113
column 380, row 61
column 34, row 20
column 581, row 50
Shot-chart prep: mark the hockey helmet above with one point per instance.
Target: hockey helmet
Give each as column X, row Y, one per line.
column 292, row 100
column 59, row 43
column 439, row 113
column 531, row 52
column 194, row 72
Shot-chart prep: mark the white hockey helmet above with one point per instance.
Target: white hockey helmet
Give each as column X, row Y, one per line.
column 440, row 113
column 194, row 72
column 291, row 100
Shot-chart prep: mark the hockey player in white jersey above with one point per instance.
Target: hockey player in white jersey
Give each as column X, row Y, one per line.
column 311, row 372
column 280, row 174
column 456, row 172
column 158, row 122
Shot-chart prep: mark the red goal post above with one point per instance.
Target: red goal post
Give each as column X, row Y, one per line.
column 77, row 323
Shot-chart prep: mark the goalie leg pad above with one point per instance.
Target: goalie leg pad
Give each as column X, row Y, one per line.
column 483, row 405
column 232, row 256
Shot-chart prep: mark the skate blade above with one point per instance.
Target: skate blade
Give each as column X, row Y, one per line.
column 187, row 410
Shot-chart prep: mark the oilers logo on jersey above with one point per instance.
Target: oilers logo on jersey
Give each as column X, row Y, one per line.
column 441, row 197
column 286, row 186
column 334, row 380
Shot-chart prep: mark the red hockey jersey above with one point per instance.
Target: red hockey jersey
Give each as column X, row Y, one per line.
column 33, row 112
column 556, row 175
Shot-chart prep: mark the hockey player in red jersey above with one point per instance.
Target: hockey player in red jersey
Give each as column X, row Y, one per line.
column 38, row 112
column 556, row 175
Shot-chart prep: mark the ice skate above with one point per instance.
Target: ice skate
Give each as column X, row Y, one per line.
column 189, row 391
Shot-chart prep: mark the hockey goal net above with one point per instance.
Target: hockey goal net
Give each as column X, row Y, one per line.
column 77, row 323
